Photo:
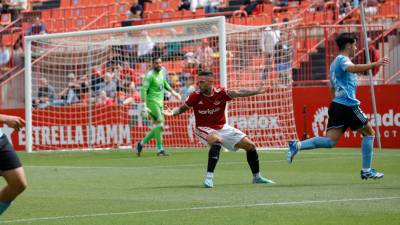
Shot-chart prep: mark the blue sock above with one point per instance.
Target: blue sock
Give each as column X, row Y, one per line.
column 4, row 206
column 317, row 142
column 367, row 147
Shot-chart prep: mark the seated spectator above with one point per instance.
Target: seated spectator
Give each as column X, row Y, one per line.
column 109, row 85
column 127, row 73
column 132, row 96
column 190, row 64
column 46, row 94
column 211, row 6
column 135, row 11
column 204, row 55
column 173, row 50
column 344, row 8
column 18, row 53
column 70, row 94
column 187, row 88
column 188, row 5
column 96, row 78
column 14, row 7
column 46, row 90
column 5, row 56
column 283, row 64
column 269, row 39
column 371, row 8
column 104, row 100
column 145, row 47
column 37, row 27
column 252, row 7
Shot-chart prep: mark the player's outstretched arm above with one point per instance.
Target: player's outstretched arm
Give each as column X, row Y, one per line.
column 176, row 111
column 361, row 68
column 176, row 94
column 12, row 121
column 247, row 92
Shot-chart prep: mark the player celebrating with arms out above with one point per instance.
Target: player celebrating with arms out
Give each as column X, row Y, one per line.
column 344, row 111
column 153, row 88
column 209, row 105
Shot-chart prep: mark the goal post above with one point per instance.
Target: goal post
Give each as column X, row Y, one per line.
column 82, row 89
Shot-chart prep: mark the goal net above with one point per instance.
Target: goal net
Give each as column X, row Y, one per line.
column 83, row 88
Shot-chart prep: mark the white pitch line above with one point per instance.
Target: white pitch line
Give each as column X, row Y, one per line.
column 177, row 166
column 28, row 220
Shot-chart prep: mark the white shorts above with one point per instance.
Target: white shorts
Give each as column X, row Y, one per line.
column 230, row 136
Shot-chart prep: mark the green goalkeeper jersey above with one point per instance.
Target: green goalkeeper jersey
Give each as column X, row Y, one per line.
column 153, row 87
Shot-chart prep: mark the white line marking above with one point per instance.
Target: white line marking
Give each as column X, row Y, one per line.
column 177, row 166
column 198, row 208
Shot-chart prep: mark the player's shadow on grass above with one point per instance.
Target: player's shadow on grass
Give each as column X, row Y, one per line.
column 198, row 186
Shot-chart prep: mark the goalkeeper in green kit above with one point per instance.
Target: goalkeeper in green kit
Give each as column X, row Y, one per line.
column 153, row 88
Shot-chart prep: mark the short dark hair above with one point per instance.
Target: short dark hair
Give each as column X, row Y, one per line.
column 345, row 38
column 205, row 73
column 155, row 59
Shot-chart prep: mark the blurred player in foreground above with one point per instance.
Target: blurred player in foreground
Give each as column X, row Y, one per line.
column 10, row 166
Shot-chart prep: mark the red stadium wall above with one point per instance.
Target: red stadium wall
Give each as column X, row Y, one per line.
column 315, row 100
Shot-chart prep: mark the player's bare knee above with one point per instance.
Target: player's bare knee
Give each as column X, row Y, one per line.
column 246, row 144
column 213, row 138
column 18, row 186
column 249, row 146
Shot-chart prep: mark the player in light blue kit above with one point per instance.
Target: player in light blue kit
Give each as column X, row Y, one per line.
column 344, row 111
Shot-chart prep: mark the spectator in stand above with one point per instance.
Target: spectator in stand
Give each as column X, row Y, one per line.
column 252, row 6
column 135, row 11
column 70, row 94
column 270, row 37
column 127, row 73
column 109, row 85
column 46, row 93
column 5, row 55
column 104, row 100
column 37, row 27
column 174, row 48
column 96, row 79
column 133, row 96
column 211, row 6
column 18, row 53
column 14, row 7
column 344, row 7
column 188, row 5
column 371, row 8
column 190, row 64
column 204, row 55
column 282, row 3
column 145, row 47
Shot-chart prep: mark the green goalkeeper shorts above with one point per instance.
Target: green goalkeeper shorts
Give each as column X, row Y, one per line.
column 156, row 113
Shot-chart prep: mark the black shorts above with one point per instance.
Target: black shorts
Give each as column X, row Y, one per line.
column 8, row 158
column 341, row 116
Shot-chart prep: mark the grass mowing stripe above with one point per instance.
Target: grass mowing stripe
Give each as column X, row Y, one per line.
column 199, row 208
column 182, row 165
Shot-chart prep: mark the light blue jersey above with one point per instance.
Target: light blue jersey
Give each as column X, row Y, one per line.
column 344, row 83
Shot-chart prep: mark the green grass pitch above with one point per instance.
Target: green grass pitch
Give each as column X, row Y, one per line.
column 117, row 188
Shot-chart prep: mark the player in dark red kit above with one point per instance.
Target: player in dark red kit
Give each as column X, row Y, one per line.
column 209, row 105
